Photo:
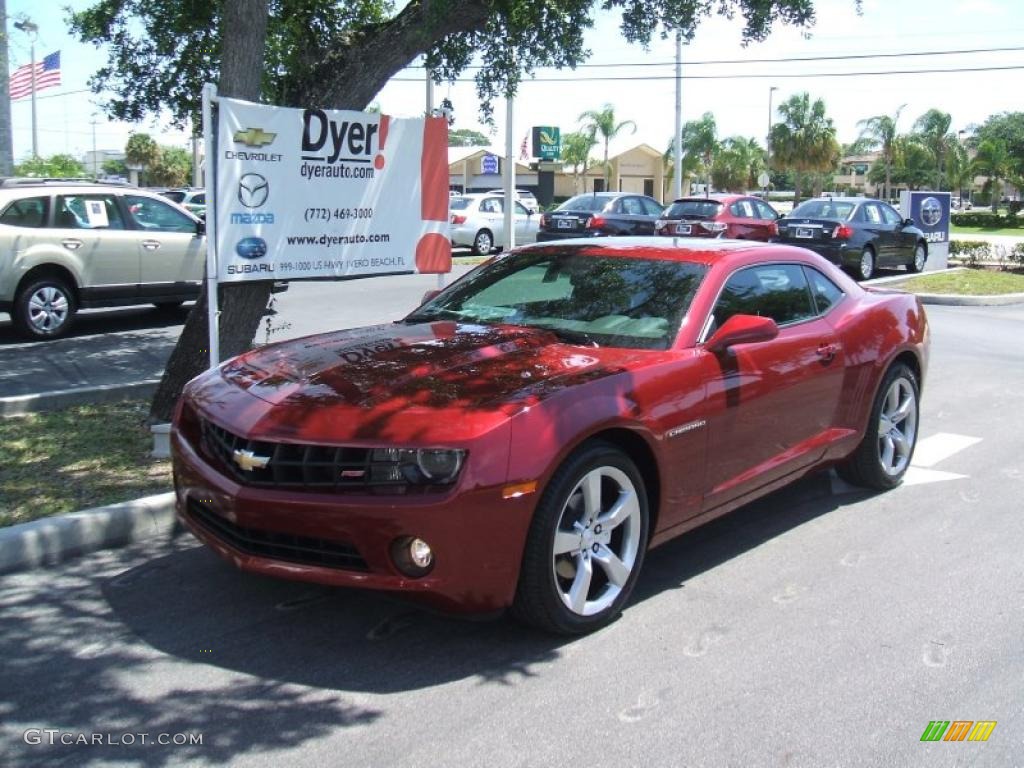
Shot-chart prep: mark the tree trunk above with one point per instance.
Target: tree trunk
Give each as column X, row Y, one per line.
column 243, row 32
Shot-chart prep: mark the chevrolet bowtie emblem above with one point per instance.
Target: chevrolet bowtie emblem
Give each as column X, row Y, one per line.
column 247, row 461
column 254, row 137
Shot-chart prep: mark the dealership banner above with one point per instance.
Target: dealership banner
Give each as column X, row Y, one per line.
column 930, row 212
column 310, row 193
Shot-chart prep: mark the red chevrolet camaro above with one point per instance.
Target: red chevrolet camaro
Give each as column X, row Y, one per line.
column 526, row 435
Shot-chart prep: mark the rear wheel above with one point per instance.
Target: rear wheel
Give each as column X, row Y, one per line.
column 483, row 243
column 866, row 265
column 586, row 543
column 43, row 309
column 920, row 256
column 883, row 456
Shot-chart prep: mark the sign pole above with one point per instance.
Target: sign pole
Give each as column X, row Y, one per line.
column 209, row 97
column 510, row 176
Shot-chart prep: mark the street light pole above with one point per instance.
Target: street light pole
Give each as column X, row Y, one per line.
column 677, row 142
column 31, row 29
column 768, row 143
column 960, row 138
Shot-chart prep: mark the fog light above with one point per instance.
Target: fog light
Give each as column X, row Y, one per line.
column 412, row 556
column 420, row 554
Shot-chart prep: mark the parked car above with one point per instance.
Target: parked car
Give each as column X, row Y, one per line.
column 68, row 246
column 192, row 199
column 525, row 196
column 741, row 217
column 856, row 233
column 600, row 214
column 478, row 221
column 523, row 437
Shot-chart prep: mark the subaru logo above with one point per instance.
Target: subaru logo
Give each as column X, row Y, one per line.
column 253, row 190
column 251, row 248
column 931, row 211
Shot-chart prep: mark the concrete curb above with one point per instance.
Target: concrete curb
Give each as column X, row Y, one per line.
column 53, row 540
column 951, row 299
column 18, row 405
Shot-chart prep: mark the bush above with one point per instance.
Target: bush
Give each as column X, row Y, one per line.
column 1014, row 207
column 970, row 251
column 986, row 220
column 1017, row 254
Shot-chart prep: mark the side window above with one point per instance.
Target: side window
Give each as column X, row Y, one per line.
column 651, row 206
column 491, row 205
column 765, row 211
column 154, row 215
column 778, row 291
column 736, row 210
column 631, row 205
column 27, row 212
column 521, row 209
column 873, row 214
column 826, row 293
column 199, row 199
column 891, row 217
column 88, row 212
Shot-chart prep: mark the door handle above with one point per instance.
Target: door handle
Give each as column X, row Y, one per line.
column 827, row 351
column 150, row 245
column 72, row 244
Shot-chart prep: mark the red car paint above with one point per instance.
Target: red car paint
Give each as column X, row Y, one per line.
column 709, row 431
column 740, row 217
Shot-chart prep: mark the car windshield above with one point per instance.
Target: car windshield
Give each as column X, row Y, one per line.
column 823, row 209
column 704, row 209
column 458, row 203
column 604, row 300
column 584, row 203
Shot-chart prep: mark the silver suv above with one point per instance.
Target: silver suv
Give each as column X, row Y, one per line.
column 65, row 246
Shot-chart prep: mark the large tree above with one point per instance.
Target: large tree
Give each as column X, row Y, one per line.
column 804, row 140
column 602, row 122
column 339, row 55
column 880, row 133
column 737, row 164
column 932, row 130
column 466, row 137
column 994, row 161
column 576, row 154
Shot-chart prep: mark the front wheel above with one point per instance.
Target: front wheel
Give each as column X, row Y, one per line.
column 866, row 266
column 44, row 308
column 586, row 543
column 920, row 256
column 883, row 456
column 483, row 243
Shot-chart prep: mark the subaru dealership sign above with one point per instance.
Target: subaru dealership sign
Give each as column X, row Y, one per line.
column 313, row 193
column 930, row 213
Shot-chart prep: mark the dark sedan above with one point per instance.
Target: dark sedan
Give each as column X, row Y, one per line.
column 601, row 214
column 855, row 233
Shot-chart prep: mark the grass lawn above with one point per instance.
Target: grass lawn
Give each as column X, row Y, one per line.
column 1013, row 231
column 80, row 457
column 969, row 282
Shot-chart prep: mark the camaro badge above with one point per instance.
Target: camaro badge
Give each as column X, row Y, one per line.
column 254, row 137
column 685, row 428
column 248, row 461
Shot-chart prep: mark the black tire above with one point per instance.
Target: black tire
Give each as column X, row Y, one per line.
column 866, row 265
column 167, row 306
column 483, row 243
column 44, row 308
column 540, row 595
column 920, row 257
column 866, row 466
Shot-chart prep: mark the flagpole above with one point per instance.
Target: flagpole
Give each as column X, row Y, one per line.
column 32, row 30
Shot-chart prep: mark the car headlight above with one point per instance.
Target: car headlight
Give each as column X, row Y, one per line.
column 417, row 466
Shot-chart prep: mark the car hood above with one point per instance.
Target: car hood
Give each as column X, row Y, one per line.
column 435, row 378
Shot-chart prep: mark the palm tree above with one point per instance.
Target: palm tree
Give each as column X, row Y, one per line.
column 699, row 142
column 737, row 164
column 932, row 129
column 576, row 152
column 959, row 169
column 993, row 160
column 880, row 131
column 602, row 123
column 804, row 140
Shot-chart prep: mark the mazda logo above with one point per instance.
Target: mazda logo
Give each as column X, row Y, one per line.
column 931, row 211
column 253, row 190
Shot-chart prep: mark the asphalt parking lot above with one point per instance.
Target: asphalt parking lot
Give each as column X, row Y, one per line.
column 820, row 626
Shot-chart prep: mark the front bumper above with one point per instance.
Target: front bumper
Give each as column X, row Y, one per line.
column 345, row 539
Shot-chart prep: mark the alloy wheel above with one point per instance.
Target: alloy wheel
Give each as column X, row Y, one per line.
column 597, row 541
column 48, row 309
column 867, row 263
column 897, row 427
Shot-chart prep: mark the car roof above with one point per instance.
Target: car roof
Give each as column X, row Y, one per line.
column 719, row 197
column 841, row 199
column 693, row 250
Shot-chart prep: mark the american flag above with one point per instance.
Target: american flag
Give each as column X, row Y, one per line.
column 47, row 74
column 523, row 152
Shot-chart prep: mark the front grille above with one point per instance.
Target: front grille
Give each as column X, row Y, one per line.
column 290, row 465
column 277, row 546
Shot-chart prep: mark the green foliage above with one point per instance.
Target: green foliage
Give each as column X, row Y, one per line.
column 804, row 140
column 1007, row 127
column 1017, row 254
column 114, row 168
column 879, row 132
column 161, row 52
column 912, row 164
column 464, row 137
column 993, row 160
column 971, row 252
column 602, row 122
column 173, row 168
column 931, row 130
column 986, row 220
column 53, row 167
column 737, row 164
column 142, row 150
column 576, row 153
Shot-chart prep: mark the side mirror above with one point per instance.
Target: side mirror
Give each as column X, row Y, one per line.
column 908, row 222
column 742, row 329
column 201, row 226
column 429, row 295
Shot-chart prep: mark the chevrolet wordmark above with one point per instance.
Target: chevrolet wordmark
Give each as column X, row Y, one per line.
column 522, row 438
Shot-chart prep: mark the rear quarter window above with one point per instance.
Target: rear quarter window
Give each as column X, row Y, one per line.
column 27, row 212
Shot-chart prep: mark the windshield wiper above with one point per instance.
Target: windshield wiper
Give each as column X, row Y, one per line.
column 429, row 317
column 574, row 337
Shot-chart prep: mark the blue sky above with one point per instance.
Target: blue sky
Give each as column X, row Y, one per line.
column 740, row 104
